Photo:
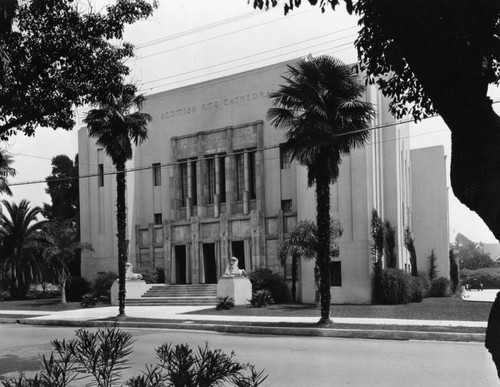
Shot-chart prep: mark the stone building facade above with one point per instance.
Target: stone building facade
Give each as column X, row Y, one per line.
column 212, row 181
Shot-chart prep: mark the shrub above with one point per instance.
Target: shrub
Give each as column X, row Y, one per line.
column 266, row 279
column 88, row 301
column 417, row 290
column 149, row 274
column 489, row 277
column 102, row 356
column 261, row 298
column 395, row 287
column 440, row 287
column 76, row 287
column 160, row 271
column 101, row 288
column 425, row 283
column 224, row 303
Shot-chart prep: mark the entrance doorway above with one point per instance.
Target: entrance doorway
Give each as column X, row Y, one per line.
column 209, row 263
column 238, row 251
column 180, row 264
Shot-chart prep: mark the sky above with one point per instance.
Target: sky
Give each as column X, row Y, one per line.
column 187, row 42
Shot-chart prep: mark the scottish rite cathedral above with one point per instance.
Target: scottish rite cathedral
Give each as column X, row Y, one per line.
column 212, row 181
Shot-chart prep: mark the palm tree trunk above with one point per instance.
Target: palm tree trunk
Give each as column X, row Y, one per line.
column 62, row 282
column 121, row 223
column 294, row 276
column 323, row 222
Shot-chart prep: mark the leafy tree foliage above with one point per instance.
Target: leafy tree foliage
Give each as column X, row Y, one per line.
column 6, row 170
column 438, row 57
column 20, row 242
column 61, row 55
column 62, row 242
column 410, row 246
column 118, row 125
column 62, row 186
column 303, row 242
column 454, row 272
column 321, row 109
column 471, row 254
column 432, row 272
column 391, row 259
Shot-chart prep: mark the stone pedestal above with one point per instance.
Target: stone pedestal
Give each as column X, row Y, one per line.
column 133, row 288
column 238, row 288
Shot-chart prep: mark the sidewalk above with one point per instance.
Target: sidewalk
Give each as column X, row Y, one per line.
column 174, row 317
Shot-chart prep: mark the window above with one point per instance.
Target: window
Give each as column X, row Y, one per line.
column 211, row 179
column 100, row 175
column 194, row 190
column 336, row 273
column 184, row 183
column 240, row 176
column 286, row 205
column 251, row 175
column 222, row 178
column 156, row 174
column 285, row 157
column 158, row 219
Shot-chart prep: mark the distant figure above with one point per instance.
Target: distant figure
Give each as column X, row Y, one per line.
column 492, row 341
column 129, row 274
column 232, row 269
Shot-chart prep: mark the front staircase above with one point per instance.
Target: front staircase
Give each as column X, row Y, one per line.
column 196, row 294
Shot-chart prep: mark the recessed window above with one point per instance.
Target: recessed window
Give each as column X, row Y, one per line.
column 285, row 157
column 240, row 176
column 158, row 219
column 156, row 174
column 286, row 205
column 100, row 175
column 336, row 273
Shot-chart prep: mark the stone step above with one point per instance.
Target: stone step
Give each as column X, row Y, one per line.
column 172, row 301
column 196, row 294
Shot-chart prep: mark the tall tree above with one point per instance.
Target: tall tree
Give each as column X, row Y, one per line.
column 410, row 246
column 61, row 245
column 321, row 110
column 20, row 243
column 62, row 54
column 62, row 186
column 6, row 170
column 471, row 255
column 438, row 57
column 116, row 126
column 303, row 243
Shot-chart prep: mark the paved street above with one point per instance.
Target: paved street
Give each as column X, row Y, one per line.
column 291, row 361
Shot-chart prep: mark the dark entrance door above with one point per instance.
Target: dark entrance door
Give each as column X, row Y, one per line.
column 238, row 251
column 180, row 264
column 209, row 263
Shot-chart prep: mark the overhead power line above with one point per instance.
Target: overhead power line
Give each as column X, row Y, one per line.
column 171, row 164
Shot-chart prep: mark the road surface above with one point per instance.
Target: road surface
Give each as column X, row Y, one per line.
column 290, row 361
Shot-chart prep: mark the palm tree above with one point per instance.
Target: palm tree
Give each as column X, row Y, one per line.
column 5, row 171
column 116, row 127
column 303, row 242
column 319, row 107
column 62, row 243
column 20, row 241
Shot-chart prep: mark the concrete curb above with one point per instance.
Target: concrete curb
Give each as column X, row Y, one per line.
column 374, row 334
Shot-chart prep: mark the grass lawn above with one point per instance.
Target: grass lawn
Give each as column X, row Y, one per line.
column 44, row 304
column 450, row 308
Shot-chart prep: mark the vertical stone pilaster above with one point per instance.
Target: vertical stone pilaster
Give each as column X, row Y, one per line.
column 230, row 171
column 246, row 176
column 189, row 199
column 201, row 169
column 195, row 250
column 256, row 233
column 167, row 250
column 260, row 169
column 217, row 187
column 224, row 244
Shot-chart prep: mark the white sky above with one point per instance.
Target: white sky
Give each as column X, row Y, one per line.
column 188, row 42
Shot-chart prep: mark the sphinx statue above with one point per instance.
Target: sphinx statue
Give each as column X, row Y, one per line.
column 232, row 269
column 129, row 273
